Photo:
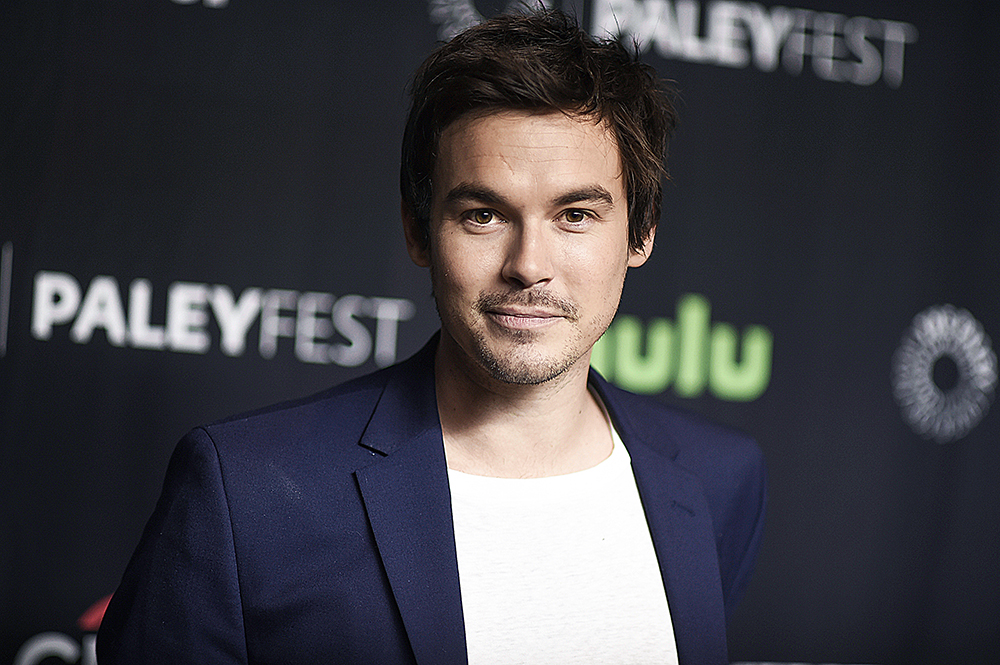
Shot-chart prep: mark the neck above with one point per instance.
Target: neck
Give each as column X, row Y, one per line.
column 493, row 428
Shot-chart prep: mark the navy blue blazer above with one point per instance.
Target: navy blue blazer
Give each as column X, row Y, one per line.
column 320, row 531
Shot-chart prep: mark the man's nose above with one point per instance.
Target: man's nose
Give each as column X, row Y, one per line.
column 529, row 256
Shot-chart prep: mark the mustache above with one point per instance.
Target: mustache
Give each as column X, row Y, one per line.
column 543, row 299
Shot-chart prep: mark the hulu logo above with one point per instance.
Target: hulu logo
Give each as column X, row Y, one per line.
column 692, row 352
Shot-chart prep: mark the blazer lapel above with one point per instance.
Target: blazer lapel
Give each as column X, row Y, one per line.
column 408, row 502
column 683, row 536
column 409, row 507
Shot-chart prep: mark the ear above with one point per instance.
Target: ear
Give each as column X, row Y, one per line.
column 416, row 243
column 636, row 259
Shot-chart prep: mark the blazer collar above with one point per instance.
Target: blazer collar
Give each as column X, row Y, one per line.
column 408, row 502
column 681, row 527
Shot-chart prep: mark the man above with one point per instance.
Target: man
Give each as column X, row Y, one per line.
column 491, row 499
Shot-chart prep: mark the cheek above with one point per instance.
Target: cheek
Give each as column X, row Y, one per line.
column 456, row 267
column 599, row 286
column 601, row 267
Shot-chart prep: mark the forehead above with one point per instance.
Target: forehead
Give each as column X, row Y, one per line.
column 543, row 147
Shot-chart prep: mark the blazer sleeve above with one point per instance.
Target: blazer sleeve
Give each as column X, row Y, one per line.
column 741, row 534
column 179, row 599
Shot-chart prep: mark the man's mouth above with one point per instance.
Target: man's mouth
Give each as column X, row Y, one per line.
column 523, row 319
column 526, row 310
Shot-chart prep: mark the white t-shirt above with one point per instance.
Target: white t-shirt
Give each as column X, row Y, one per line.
column 560, row 569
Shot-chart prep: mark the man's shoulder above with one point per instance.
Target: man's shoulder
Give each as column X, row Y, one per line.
column 710, row 450
column 320, row 423
column 317, row 430
column 667, row 425
column 333, row 404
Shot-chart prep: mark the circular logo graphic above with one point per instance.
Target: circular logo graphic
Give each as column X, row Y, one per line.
column 944, row 373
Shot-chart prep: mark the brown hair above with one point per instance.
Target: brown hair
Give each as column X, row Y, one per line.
column 536, row 61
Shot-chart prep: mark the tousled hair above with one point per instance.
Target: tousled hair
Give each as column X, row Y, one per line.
column 537, row 61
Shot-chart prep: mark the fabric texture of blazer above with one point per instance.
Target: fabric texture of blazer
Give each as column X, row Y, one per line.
column 319, row 531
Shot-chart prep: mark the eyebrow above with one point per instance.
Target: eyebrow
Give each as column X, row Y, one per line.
column 469, row 192
column 592, row 194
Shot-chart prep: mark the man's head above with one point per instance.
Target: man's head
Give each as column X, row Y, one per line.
column 541, row 61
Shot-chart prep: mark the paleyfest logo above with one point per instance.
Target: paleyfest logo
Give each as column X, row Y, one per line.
column 944, row 373
column 320, row 327
column 732, row 33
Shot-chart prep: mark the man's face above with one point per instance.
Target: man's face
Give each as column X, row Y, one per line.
column 528, row 242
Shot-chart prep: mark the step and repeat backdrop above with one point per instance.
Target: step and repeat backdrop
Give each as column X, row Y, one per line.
column 201, row 216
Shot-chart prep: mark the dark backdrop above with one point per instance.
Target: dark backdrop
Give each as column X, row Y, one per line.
column 200, row 216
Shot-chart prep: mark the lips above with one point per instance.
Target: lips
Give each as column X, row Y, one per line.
column 526, row 309
column 521, row 320
column 524, row 313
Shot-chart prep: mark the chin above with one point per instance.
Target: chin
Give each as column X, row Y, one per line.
column 519, row 366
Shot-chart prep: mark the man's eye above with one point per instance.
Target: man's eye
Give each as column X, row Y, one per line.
column 575, row 216
column 483, row 216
